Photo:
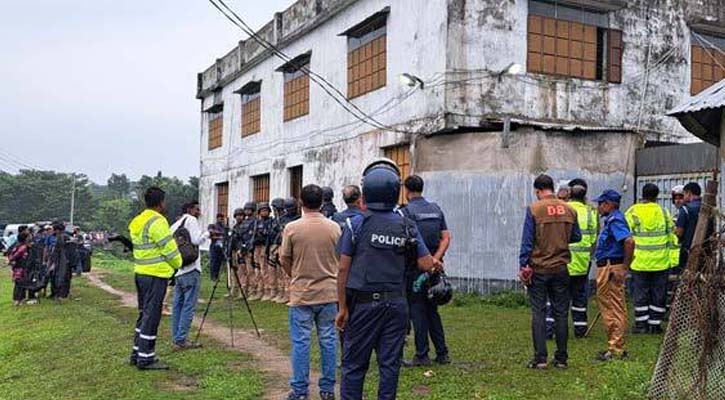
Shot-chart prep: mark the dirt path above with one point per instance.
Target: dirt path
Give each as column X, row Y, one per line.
column 271, row 361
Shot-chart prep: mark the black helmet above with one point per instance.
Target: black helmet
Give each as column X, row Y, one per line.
column 262, row 205
column 381, row 185
column 440, row 291
column 290, row 204
column 238, row 211
column 278, row 203
column 327, row 193
column 250, row 205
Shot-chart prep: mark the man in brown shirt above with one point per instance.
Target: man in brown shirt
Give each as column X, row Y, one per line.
column 549, row 227
column 308, row 255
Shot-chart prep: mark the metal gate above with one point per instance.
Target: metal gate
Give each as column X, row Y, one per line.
column 672, row 165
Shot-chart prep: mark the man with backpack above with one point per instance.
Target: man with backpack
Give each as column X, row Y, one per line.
column 188, row 236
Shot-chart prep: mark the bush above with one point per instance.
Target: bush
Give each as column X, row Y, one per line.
column 506, row 299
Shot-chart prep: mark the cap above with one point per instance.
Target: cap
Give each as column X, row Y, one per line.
column 609, row 195
column 679, row 189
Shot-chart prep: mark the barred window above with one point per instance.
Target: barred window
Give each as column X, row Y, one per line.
column 400, row 154
column 367, row 55
column 260, row 188
column 216, row 126
column 251, row 107
column 222, row 198
column 573, row 42
column 707, row 61
column 296, row 87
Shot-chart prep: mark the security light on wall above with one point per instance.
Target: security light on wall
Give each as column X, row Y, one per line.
column 410, row 80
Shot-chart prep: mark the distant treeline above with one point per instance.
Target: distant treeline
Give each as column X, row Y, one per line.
column 33, row 195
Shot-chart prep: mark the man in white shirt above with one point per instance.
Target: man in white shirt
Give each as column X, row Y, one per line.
column 188, row 280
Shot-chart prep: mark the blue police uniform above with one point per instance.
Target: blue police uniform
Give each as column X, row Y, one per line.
column 424, row 314
column 378, row 311
column 342, row 216
column 609, row 245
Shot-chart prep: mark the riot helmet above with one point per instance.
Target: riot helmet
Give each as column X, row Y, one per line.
column 381, row 185
column 290, row 206
column 250, row 205
column 278, row 203
column 238, row 212
column 327, row 194
column 440, row 291
column 263, row 205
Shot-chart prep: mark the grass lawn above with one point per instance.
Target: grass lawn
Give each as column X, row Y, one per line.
column 80, row 349
column 490, row 343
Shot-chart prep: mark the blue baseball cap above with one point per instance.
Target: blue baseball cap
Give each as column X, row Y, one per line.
column 609, row 195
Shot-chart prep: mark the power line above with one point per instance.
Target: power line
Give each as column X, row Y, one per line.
column 17, row 160
column 323, row 83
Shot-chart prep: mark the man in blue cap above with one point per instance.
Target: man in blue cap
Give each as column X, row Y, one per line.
column 615, row 249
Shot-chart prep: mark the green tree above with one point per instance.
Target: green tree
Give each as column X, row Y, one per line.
column 113, row 215
column 177, row 192
column 119, row 186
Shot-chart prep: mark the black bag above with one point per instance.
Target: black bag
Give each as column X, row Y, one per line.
column 189, row 251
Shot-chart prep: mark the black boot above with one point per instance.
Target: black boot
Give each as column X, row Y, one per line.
column 418, row 362
column 157, row 365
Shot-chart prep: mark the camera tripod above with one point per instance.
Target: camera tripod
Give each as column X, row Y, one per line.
column 230, row 306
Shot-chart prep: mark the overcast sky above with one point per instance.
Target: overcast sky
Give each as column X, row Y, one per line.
column 102, row 86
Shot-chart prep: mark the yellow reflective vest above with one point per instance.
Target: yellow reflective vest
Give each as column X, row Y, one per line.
column 652, row 229
column 581, row 252
column 154, row 248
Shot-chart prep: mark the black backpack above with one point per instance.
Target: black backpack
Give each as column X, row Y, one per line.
column 189, row 251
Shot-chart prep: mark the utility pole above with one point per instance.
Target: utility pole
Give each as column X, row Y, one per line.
column 72, row 199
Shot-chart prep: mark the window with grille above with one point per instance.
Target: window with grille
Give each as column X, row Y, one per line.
column 707, row 61
column 295, row 182
column 260, row 188
column 573, row 42
column 296, row 87
column 367, row 55
column 222, row 198
column 401, row 156
column 215, row 129
column 251, row 107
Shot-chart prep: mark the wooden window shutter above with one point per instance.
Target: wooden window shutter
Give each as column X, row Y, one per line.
column 615, row 56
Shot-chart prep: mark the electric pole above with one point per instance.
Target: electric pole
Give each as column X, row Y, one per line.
column 72, row 199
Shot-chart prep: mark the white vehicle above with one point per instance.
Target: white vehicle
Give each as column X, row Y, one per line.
column 11, row 229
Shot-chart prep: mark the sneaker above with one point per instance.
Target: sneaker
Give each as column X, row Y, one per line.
column 292, row 396
column 605, row 356
column 560, row 364
column 154, row 366
column 32, row 302
column 186, row 346
column 443, row 360
column 537, row 364
column 418, row 362
column 327, row 396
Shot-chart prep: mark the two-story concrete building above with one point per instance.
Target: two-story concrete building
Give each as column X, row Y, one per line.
column 595, row 79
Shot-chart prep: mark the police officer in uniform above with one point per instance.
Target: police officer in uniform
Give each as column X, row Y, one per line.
column 235, row 265
column 373, row 311
column 652, row 229
column 267, row 283
column 353, row 199
column 291, row 213
column 328, row 207
column 423, row 312
column 245, row 251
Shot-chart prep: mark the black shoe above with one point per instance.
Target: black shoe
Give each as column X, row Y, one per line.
column 327, row 395
column 639, row 330
column 605, row 356
column 560, row 364
column 655, row 330
column 443, row 360
column 537, row 364
column 292, row 396
column 132, row 361
column 154, row 366
column 580, row 335
column 418, row 362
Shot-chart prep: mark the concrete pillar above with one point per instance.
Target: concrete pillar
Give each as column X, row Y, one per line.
column 722, row 159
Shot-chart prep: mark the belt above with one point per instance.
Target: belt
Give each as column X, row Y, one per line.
column 369, row 297
column 609, row 261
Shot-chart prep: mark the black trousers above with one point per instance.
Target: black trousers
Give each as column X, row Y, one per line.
column 649, row 290
column 579, row 299
column 151, row 291
column 426, row 322
column 555, row 288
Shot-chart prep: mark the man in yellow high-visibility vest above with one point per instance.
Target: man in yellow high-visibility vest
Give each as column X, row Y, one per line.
column 651, row 227
column 581, row 254
column 156, row 258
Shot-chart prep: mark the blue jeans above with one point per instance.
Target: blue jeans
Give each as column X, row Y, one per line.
column 186, row 293
column 301, row 319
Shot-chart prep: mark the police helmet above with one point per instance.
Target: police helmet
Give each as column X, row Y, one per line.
column 290, row 204
column 327, row 193
column 440, row 291
column 238, row 211
column 381, row 185
column 250, row 205
column 278, row 203
column 262, row 205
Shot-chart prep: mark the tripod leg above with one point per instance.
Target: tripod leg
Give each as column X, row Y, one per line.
column 246, row 303
column 206, row 311
column 230, row 305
